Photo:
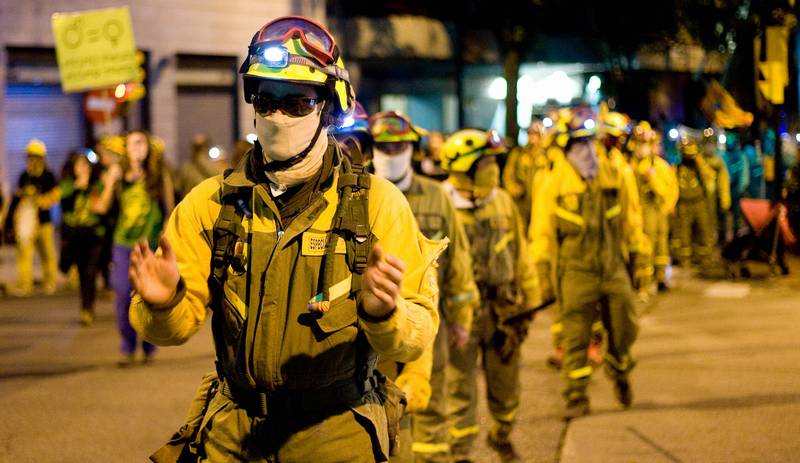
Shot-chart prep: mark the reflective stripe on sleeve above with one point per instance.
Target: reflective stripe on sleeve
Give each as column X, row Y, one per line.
column 569, row 216
column 613, row 212
column 500, row 245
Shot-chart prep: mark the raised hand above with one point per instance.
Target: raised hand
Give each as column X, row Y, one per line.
column 382, row 281
column 154, row 277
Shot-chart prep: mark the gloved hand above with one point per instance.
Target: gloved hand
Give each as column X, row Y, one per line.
column 417, row 390
column 512, row 333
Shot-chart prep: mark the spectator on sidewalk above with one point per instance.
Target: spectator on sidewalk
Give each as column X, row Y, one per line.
column 110, row 150
column 141, row 186
column 83, row 230
column 29, row 222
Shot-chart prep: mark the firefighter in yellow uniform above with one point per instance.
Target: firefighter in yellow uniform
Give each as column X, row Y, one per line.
column 584, row 221
column 719, row 191
column 29, row 217
column 508, row 289
column 658, row 192
column 523, row 167
column 695, row 178
column 394, row 138
column 311, row 268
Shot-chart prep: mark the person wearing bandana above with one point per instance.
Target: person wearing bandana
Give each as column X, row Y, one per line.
column 311, row 267
column 586, row 219
column 509, row 293
column 393, row 140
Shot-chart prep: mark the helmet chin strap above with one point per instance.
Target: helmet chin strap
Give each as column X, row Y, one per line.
column 274, row 166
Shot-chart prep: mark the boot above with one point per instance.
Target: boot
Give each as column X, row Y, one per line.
column 87, row 317
column 623, row 392
column 556, row 359
column 576, row 408
column 499, row 442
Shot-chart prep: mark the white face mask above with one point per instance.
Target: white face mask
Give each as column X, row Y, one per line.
column 304, row 169
column 392, row 167
column 282, row 137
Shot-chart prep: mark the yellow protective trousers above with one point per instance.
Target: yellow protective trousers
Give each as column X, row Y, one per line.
column 581, row 293
column 502, row 384
column 43, row 242
column 656, row 227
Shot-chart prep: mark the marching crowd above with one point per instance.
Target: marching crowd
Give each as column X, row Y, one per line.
column 307, row 252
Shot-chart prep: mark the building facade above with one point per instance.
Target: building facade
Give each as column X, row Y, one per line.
column 192, row 51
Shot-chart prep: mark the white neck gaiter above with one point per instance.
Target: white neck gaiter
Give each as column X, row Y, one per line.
column 303, row 170
column 392, row 167
column 282, row 137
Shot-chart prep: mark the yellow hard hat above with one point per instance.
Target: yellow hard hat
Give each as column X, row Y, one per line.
column 465, row 147
column 615, row 124
column 688, row 146
column 298, row 50
column 36, row 147
column 575, row 123
column 113, row 143
column 644, row 133
column 393, row 127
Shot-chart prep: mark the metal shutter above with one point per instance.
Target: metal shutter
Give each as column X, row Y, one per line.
column 208, row 110
column 43, row 112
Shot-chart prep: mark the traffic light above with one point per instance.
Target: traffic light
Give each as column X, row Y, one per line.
column 773, row 73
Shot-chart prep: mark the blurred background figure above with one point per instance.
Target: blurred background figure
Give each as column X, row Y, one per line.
column 658, row 195
column 522, row 167
column 83, row 229
column 509, row 293
column 431, row 163
column 110, row 150
column 718, row 197
column 29, row 221
column 694, row 229
column 739, row 176
column 207, row 161
column 142, row 187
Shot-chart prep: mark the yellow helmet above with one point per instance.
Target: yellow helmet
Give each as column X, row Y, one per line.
column 36, row 147
column 113, row 143
column 644, row 133
column 615, row 124
column 394, row 127
column 688, row 146
column 298, row 50
column 573, row 124
column 465, row 147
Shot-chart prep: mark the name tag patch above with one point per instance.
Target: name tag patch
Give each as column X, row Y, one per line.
column 314, row 244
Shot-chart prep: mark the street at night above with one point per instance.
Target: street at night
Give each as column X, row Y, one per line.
column 405, row 231
column 716, row 381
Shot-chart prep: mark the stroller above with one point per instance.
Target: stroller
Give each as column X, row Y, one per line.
column 764, row 238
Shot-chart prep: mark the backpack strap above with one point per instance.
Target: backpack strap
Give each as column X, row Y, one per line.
column 227, row 231
column 350, row 222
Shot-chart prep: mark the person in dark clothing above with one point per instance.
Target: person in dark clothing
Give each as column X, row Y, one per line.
column 83, row 229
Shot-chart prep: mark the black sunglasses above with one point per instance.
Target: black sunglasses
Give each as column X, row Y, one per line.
column 293, row 106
